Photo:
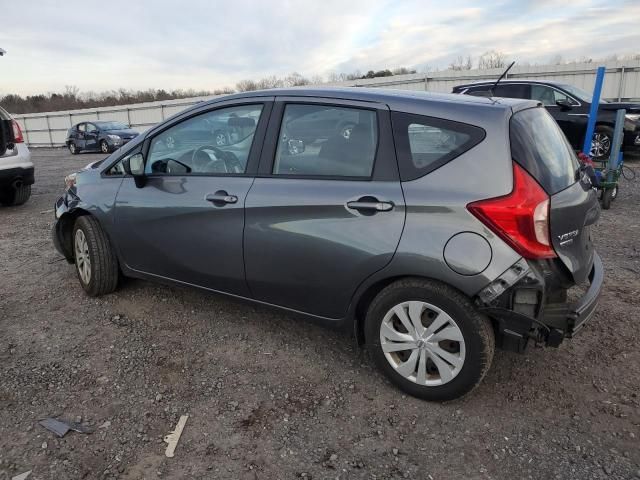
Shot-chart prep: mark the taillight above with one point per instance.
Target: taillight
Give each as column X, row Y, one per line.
column 520, row 218
column 17, row 133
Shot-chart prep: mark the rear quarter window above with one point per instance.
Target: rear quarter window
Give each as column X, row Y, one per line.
column 541, row 148
column 426, row 143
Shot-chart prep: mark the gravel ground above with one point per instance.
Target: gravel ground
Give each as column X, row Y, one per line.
column 270, row 396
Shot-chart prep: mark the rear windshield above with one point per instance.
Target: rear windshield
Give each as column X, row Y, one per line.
column 538, row 144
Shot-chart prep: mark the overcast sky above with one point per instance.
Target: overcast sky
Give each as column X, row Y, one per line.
column 108, row 44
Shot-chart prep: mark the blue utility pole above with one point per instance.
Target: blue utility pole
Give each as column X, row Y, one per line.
column 593, row 112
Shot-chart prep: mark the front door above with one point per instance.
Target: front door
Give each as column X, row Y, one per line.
column 325, row 212
column 91, row 137
column 186, row 222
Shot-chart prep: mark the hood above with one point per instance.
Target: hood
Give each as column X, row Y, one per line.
column 125, row 132
column 629, row 107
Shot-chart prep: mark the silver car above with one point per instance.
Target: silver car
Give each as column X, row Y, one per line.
column 440, row 227
column 16, row 167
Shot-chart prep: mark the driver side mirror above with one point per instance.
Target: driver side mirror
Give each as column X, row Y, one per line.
column 134, row 166
column 564, row 104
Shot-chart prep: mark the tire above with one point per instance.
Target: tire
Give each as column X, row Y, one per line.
column 104, row 146
column 15, row 196
column 470, row 358
column 102, row 277
column 601, row 142
column 73, row 149
column 614, row 192
column 220, row 138
column 607, row 196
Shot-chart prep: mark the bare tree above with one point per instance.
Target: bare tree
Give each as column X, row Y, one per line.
column 492, row 59
column 295, row 80
column 461, row 63
column 246, row 85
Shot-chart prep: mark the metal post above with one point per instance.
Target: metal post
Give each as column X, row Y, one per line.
column 97, row 114
column 618, row 133
column 162, row 111
column 128, row 117
column 621, row 84
column 49, row 130
column 593, row 112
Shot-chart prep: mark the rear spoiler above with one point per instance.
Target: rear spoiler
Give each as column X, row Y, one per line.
column 6, row 135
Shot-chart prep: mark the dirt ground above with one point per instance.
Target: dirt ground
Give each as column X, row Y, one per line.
column 272, row 397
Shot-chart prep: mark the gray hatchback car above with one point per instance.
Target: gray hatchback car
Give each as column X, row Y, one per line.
column 440, row 227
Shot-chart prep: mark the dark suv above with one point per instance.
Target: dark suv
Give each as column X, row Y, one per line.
column 569, row 106
column 440, row 226
column 103, row 137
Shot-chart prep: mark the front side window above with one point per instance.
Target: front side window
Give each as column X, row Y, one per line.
column 549, row 96
column 214, row 143
column 91, row 127
column 324, row 140
column 426, row 143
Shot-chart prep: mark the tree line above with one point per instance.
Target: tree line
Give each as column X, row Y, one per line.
column 71, row 98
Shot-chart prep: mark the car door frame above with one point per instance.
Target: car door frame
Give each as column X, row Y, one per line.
column 381, row 171
column 144, row 147
column 81, row 139
column 94, row 136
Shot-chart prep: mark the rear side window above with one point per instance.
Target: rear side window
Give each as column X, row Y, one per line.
column 426, row 143
column 538, row 144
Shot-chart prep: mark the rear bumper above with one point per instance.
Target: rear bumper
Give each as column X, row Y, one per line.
column 11, row 176
column 566, row 320
column 534, row 315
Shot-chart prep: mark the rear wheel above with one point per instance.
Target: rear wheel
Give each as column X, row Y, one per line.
column 601, row 142
column 16, row 195
column 96, row 262
column 429, row 339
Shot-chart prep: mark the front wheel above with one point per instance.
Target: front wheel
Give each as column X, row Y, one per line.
column 607, row 196
column 104, row 147
column 73, row 149
column 96, row 262
column 601, row 142
column 428, row 339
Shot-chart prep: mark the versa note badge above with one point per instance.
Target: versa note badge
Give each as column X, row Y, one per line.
column 567, row 238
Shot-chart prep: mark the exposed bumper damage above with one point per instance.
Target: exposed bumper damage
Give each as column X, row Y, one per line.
column 527, row 302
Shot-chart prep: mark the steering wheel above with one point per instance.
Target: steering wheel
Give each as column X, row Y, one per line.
column 227, row 160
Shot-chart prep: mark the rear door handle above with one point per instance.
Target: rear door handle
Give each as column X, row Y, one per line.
column 371, row 206
column 221, row 198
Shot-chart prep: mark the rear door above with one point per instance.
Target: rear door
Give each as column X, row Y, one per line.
column 322, row 215
column 538, row 144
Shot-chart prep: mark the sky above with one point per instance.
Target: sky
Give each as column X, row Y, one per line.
column 203, row 45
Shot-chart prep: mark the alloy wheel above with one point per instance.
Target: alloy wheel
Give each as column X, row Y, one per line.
column 600, row 145
column 220, row 139
column 422, row 343
column 104, row 147
column 170, row 142
column 72, row 148
column 83, row 262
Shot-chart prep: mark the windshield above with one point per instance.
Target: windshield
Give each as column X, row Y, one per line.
column 579, row 93
column 112, row 126
column 538, row 144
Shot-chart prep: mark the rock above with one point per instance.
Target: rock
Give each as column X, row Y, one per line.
column 333, row 457
column 44, row 445
column 608, row 469
column 395, row 451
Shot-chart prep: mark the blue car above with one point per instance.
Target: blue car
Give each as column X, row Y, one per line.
column 102, row 137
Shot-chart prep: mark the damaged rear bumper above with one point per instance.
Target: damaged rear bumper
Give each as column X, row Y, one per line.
column 525, row 306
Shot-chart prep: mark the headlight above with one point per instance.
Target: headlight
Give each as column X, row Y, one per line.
column 70, row 181
column 634, row 117
column 114, row 138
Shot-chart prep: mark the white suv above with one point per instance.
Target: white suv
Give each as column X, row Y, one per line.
column 16, row 167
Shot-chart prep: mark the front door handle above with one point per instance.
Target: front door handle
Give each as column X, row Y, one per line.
column 371, row 205
column 221, row 198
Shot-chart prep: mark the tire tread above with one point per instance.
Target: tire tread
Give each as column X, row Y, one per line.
column 104, row 263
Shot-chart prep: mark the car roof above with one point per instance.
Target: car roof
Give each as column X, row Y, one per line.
column 378, row 95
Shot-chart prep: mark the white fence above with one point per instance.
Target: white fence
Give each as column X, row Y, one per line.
column 622, row 82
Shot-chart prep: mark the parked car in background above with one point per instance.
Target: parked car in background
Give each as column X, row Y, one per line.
column 99, row 136
column 569, row 106
column 16, row 167
column 441, row 226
